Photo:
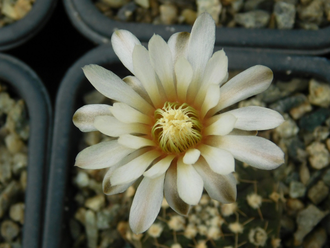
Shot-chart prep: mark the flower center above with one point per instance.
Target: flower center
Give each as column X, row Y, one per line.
column 177, row 127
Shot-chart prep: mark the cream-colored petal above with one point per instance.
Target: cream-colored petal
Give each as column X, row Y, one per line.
column 255, row 151
column 191, row 156
column 134, row 169
column 146, row 74
column 109, row 189
column 201, row 42
column 184, row 74
column 219, row 160
column 178, row 44
column 216, row 72
column 84, row 117
column 146, row 204
column 162, row 62
column 137, row 86
column 109, row 125
column 127, row 114
column 219, row 187
column 211, row 99
column 256, row 118
column 134, row 142
column 111, row 86
column 160, row 167
column 123, row 43
column 223, row 124
column 250, row 82
column 102, row 155
column 190, row 184
column 171, row 192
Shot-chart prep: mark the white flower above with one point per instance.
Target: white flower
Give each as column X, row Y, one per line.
column 169, row 125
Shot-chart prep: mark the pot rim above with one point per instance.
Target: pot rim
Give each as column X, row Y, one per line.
column 25, row 82
column 98, row 28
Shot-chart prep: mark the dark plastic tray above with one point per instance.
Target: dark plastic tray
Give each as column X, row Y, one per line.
column 22, row 30
column 98, row 28
column 26, row 84
column 66, row 136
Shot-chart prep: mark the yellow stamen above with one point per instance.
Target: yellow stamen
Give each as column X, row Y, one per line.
column 177, row 127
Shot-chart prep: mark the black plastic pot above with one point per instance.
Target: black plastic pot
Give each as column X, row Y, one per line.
column 98, row 28
column 66, row 136
column 25, row 84
column 22, row 30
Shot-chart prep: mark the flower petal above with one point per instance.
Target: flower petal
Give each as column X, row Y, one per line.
column 211, row 98
column 160, row 167
column 84, row 117
column 219, row 187
column 134, row 142
column 219, row 160
column 256, row 118
column 109, row 125
column 190, row 184
column 127, row 114
column 161, row 60
column 108, row 189
column 178, row 44
column 133, row 169
column 250, row 82
column 137, row 86
column 171, row 192
column 146, row 204
column 111, row 86
column 123, row 43
column 201, row 43
column 101, row 155
column 184, row 74
column 216, row 71
column 223, row 124
column 255, row 151
column 146, row 74
column 191, row 156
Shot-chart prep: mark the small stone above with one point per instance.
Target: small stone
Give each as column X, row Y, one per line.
column 294, row 204
column 5, row 165
column 316, row 239
column 8, row 195
column 115, row 3
column 304, row 173
column 213, row 7
column 294, row 85
column 143, row 3
column 296, row 149
column 285, row 15
column 126, row 12
column 91, row 229
column 95, row 203
column 272, row 94
column 189, row 16
column 251, row 102
column 318, row 192
column 288, row 103
column 23, row 180
column 321, row 133
column 312, row 13
column 319, row 156
column 6, row 103
column 253, row 19
column 287, row 224
column 19, row 162
column 80, row 215
column 9, row 230
column 328, row 144
column 258, row 4
column 310, row 121
column 308, row 26
column 22, row 7
column 306, row 220
column 14, row 143
column 288, row 128
column 5, row 245
column 297, row 189
column 82, row 179
column 319, row 93
column 303, row 108
column 108, row 237
column 16, row 212
column 168, row 14
column 75, row 228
